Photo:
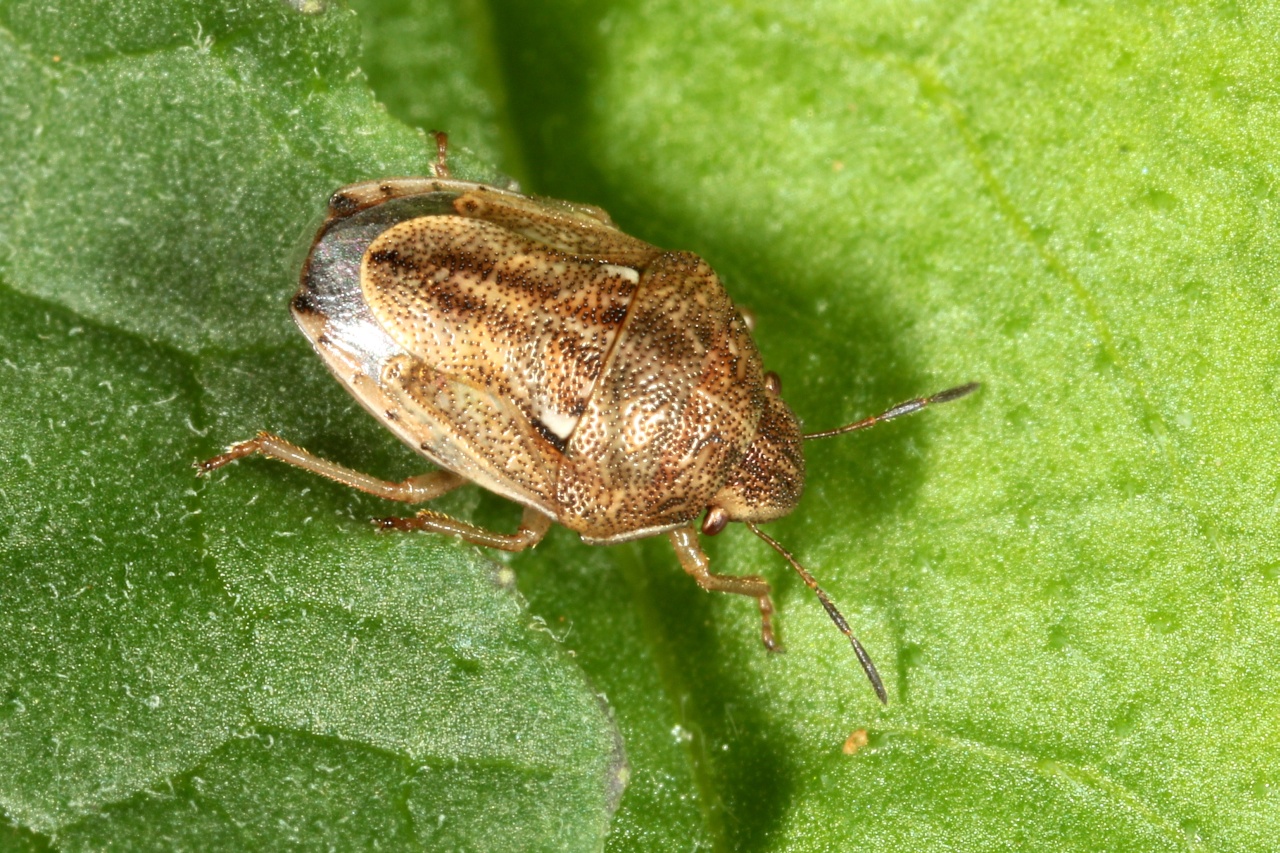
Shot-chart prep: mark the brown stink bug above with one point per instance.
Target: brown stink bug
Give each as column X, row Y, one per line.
column 529, row 346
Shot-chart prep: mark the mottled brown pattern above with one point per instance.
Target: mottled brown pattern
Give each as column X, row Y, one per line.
column 675, row 409
column 477, row 303
column 578, row 229
column 552, row 358
column 462, row 425
column 767, row 483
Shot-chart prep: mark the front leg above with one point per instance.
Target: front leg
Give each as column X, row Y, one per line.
column 695, row 562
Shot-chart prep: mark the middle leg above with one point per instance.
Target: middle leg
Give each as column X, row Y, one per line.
column 423, row 487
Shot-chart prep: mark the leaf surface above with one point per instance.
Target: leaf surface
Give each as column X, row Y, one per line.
column 245, row 663
column 1070, row 580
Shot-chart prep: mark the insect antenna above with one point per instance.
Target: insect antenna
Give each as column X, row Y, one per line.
column 863, row 658
column 907, row 408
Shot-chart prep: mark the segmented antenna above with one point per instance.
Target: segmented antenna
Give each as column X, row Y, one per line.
column 907, row 408
column 863, row 658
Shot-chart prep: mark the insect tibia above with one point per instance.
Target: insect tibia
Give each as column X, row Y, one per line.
column 239, row 450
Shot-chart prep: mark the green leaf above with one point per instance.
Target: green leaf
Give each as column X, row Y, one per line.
column 1071, row 580
column 242, row 664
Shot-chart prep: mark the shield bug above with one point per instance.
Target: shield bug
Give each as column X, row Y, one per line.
column 529, row 346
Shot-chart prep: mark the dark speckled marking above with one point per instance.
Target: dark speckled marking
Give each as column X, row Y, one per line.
column 341, row 204
column 500, row 311
column 305, row 303
column 673, row 412
column 392, row 258
column 614, row 315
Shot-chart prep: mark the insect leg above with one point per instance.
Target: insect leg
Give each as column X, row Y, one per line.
column 533, row 526
column 417, row 489
column 695, row 562
column 440, row 168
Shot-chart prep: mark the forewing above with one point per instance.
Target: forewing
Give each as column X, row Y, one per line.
column 473, row 432
column 505, row 315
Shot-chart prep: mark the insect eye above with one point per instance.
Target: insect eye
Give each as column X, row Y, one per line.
column 715, row 521
column 772, row 383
